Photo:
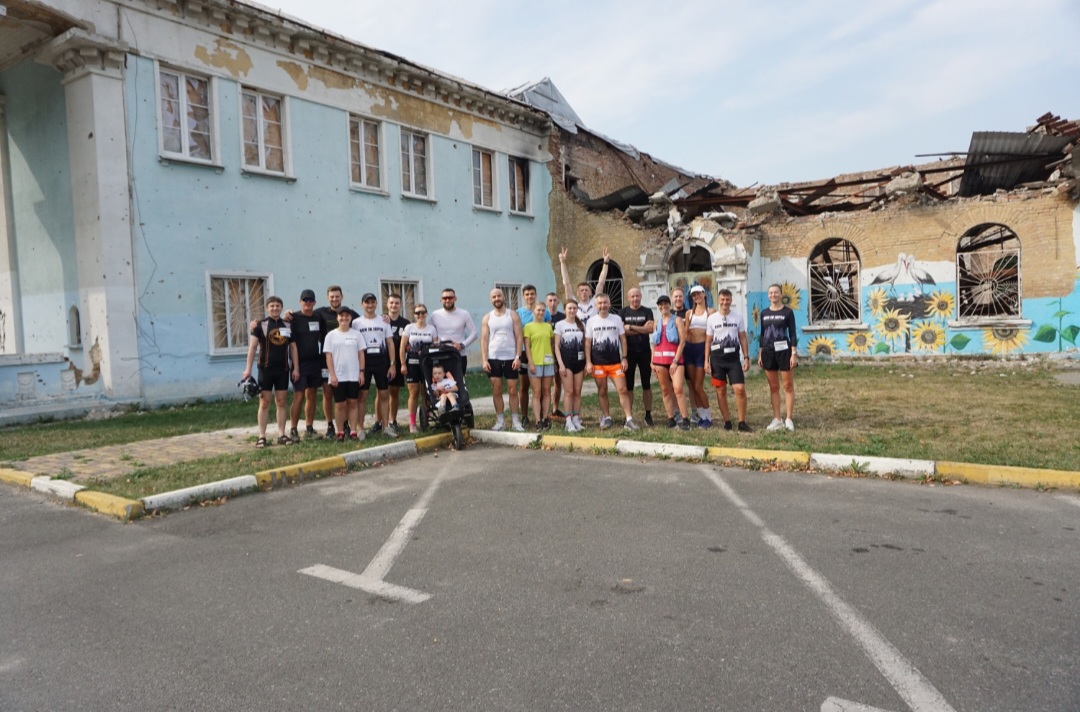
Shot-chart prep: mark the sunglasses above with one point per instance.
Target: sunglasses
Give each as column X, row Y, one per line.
column 420, row 312
column 308, row 301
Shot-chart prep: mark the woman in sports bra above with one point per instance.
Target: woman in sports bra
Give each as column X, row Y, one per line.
column 570, row 353
column 697, row 319
column 668, row 341
column 412, row 338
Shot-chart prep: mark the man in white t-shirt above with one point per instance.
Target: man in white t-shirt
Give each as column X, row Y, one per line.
column 500, row 348
column 585, row 299
column 725, row 334
column 454, row 325
column 605, row 357
column 381, row 360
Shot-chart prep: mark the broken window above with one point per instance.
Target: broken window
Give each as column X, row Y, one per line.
column 519, row 185
column 185, row 115
column 613, row 285
column 414, row 163
column 834, row 282
column 988, row 273
column 408, row 291
column 264, row 131
column 696, row 259
column 511, row 294
column 483, row 178
column 364, row 153
column 234, row 302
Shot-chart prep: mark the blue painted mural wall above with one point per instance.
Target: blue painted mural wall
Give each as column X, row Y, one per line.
column 193, row 219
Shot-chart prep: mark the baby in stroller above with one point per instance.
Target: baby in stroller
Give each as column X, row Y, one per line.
column 444, row 389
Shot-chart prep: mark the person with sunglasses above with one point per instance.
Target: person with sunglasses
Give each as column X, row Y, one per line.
column 455, row 326
column 309, row 331
column 413, row 337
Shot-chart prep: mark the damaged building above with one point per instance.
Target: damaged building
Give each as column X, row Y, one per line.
column 974, row 253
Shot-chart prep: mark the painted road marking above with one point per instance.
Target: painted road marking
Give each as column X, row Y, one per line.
column 372, row 579
column 835, row 704
column 1075, row 501
column 908, row 682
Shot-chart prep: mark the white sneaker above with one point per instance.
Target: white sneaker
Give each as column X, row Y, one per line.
column 605, row 422
column 499, row 425
column 630, row 424
column 570, row 427
column 789, row 425
column 776, row 424
column 516, row 427
column 577, row 423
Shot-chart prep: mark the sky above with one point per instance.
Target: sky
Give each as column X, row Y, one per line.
column 755, row 91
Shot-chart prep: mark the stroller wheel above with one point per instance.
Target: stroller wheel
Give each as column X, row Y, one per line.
column 423, row 419
column 459, row 438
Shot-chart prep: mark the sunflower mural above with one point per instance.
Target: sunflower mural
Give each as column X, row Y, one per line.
column 789, row 295
column 940, row 305
column 756, row 314
column 927, row 336
column 1001, row 340
column 893, row 326
column 821, row 346
column 860, row 342
column 877, row 301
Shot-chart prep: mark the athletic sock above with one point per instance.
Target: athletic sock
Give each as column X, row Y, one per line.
column 412, row 419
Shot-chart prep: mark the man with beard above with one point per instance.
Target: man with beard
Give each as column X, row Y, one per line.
column 500, row 347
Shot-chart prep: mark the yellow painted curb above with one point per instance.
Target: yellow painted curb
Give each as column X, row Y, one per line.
column 564, row 442
column 738, row 453
column 118, row 507
column 432, row 442
column 16, row 477
column 1003, row 475
column 293, row 473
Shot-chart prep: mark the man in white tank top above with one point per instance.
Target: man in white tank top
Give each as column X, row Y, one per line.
column 500, row 347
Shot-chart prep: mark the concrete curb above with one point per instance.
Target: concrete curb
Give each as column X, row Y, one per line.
column 60, row 489
column 380, row 453
column 566, row 442
column 792, row 457
column 123, row 509
column 875, row 465
column 178, row 499
column 433, row 442
column 303, row 471
column 499, row 437
column 637, row 447
column 16, row 477
column 1005, row 475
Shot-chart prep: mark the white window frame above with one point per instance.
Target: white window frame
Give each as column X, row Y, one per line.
column 360, row 160
column 400, row 285
column 429, row 173
column 211, row 97
column 511, row 293
column 514, row 190
column 486, row 202
column 268, row 290
column 286, row 153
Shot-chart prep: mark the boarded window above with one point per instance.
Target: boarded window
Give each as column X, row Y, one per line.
column 519, row 185
column 483, row 179
column 834, row 282
column 414, row 163
column 264, row 131
column 364, row 153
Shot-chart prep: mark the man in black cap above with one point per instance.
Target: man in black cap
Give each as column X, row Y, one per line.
column 309, row 331
column 380, row 362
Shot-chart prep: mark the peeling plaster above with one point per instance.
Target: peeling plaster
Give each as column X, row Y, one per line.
column 227, row 55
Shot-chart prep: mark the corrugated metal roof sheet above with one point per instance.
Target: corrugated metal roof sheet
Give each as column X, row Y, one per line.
column 1003, row 160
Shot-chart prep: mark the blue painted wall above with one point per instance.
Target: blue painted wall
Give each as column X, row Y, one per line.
column 307, row 234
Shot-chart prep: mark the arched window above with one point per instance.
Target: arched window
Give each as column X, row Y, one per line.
column 74, row 327
column 834, row 282
column 696, row 260
column 612, row 285
column 988, row 273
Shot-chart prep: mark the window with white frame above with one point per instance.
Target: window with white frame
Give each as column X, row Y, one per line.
column 409, row 292
column 264, row 131
column 511, row 294
column 186, row 129
column 834, row 282
column 988, row 273
column 235, row 300
column 483, row 178
column 414, row 163
column 365, row 153
column 519, row 185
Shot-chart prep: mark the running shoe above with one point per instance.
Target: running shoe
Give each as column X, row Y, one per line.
column 648, row 420
column 577, row 422
column 517, row 427
column 310, row 434
column 630, row 425
column 499, row 425
column 789, row 425
column 684, row 425
column 414, row 429
column 341, row 437
column 330, row 434
column 605, row 422
column 727, row 425
column 776, row 424
column 392, row 431
column 672, row 423
column 743, row 427
column 375, row 429
column 570, row 426
column 704, row 423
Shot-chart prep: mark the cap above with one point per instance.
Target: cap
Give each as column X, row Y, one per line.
column 697, row 288
column 344, row 309
column 306, row 295
column 663, row 298
column 369, row 297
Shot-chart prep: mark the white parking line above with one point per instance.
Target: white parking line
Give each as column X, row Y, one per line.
column 372, row 579
column 908, row 682
column 1075, row 501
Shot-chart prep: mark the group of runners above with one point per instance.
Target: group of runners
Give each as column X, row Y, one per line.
column 535, row 349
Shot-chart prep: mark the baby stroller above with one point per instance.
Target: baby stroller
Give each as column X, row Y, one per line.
column 449, row 358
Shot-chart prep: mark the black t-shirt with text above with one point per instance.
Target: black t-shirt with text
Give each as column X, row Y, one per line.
column 636, row 343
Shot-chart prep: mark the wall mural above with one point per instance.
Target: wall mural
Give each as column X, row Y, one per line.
column 686, row 280
column 907, row 311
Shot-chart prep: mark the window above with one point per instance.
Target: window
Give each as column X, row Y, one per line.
column 235, row 300
column 364, row 153
column 185, row 115
column 834, row 282
column 483, row 179
column 988, row 273
column 74, row 328
column 409, row 292
column 414, row 163
column 519, row 185
column 612, row 285
column 264, row 131
column 511, row 294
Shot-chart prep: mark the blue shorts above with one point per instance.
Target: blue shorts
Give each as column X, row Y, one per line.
column 694, row 354
column 543, row 371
